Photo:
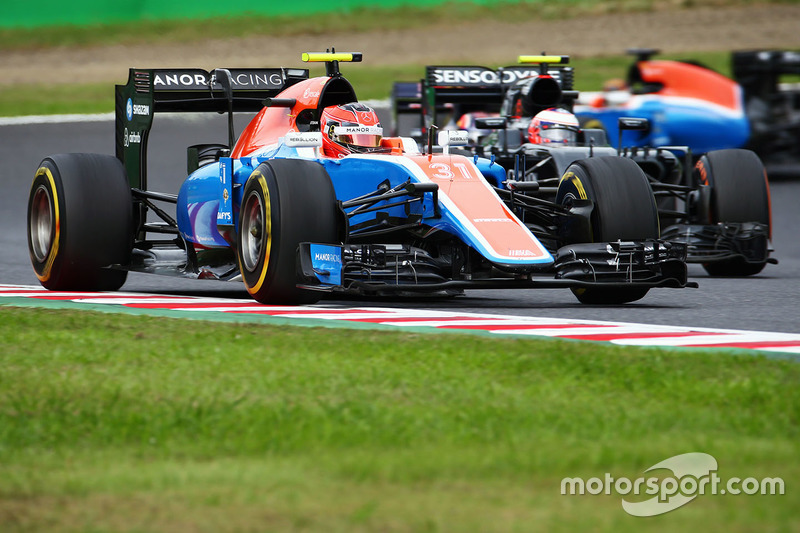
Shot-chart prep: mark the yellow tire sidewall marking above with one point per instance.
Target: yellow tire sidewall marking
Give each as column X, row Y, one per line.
column 262, row 182
column 570, row 176
column 51, row 256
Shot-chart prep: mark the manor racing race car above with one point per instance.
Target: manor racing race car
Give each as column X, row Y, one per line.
column 691, row 105
column 716, row 203
column 293, row 220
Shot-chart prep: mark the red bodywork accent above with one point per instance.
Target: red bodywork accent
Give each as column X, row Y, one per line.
column 691, row 81
column 272, row 123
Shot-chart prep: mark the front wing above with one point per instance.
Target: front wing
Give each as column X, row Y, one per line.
column 381, row 269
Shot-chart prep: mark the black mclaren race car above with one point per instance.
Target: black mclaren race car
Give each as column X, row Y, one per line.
column 716, row 204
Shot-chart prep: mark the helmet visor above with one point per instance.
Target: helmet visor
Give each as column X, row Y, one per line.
column 364, row 136
column 552, row 132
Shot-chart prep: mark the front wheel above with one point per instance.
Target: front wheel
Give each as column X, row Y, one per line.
column 80, row 221
column 739, row 193
column 285, row 202
column 624, row 209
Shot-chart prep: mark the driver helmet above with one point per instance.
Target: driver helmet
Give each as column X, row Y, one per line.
column 553, row 125
column 350, row 128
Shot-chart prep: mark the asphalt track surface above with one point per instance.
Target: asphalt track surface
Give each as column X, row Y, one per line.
column 769, row 301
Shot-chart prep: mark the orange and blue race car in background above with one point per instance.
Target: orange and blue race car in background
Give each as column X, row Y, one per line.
column 271, row 208
column 691, row 105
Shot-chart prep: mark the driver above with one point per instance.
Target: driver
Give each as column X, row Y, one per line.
column 350, row 128
column 554, row 125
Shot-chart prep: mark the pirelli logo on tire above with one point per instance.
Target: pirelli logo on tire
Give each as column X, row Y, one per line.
column 576, row 182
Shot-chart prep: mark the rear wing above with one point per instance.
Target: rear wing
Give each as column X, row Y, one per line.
column 769, row 80
column 151, row 91
column 469, row 88
column 759, row 71
column 480, row 88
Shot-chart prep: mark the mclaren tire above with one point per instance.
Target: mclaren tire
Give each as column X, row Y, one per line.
column 624, row 209
column 739, row 193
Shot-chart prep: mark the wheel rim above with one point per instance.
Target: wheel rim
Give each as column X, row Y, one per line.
column 253, row 231
column 41, row 223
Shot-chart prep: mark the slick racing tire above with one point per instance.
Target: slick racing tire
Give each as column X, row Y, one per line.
column 624, row 209
column 80, row 220
column 739, row 193
column 285, row 202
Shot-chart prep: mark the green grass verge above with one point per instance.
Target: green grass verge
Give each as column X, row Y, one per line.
column 121, row 423
column 21, row 100
column 370, row 82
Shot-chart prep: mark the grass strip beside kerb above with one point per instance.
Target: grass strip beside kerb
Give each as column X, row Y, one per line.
column 137, row 423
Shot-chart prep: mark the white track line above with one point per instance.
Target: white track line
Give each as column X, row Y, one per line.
column 55, row 119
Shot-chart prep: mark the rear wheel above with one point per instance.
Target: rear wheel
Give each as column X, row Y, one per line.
column 285, row 202
column 739, row 193
column 80, row 220
column 624, row 209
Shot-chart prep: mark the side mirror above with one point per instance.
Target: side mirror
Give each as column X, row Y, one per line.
column 491, row 123
column 631, row 124
column 634, row 124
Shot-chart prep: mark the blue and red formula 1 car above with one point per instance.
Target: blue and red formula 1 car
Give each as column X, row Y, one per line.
column 312, row 198
column 690, row 105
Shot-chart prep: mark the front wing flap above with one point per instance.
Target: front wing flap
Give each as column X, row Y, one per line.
column 652, row 261
column 709, row 243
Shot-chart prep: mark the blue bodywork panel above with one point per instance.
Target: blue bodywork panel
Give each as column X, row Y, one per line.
column 673, row 122
column 203, row 211
column 327, row 263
